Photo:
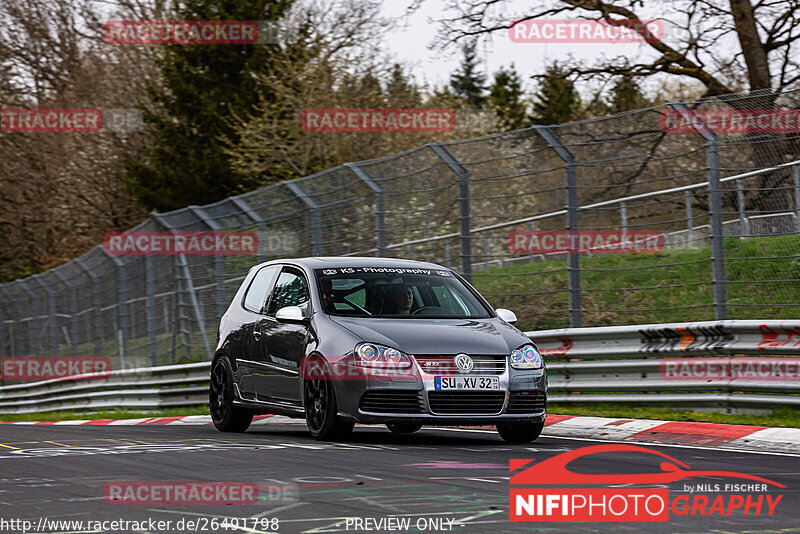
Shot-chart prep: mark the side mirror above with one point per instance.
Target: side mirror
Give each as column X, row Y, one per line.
column 506, row 315
column 290, row 314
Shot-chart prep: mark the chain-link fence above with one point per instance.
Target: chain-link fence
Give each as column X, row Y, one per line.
column 723, row 209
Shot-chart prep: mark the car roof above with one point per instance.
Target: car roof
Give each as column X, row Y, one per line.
column 322, row 262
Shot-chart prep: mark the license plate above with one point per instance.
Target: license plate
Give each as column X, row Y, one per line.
column 465, row 382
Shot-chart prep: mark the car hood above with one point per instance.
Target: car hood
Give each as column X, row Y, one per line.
column 437, row 336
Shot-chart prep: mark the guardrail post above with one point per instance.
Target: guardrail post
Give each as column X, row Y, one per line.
column 689, row 222
column 574, row 258
column 796, row 174
column 98, row 304
column 718, row 275
column 744, row 227
column 260, row 224
column 52, row 317
column 219, row 259
column 463, row 202
column 380, row 207
column 447, row 252
column 182, row 267
column 72, row 339
column 316, row 216
column 122, row 308
column 33, row 337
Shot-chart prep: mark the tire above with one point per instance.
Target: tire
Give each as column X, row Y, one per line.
column 520, row 432
column 226, row 416
column 319, row 402
column 403, row 428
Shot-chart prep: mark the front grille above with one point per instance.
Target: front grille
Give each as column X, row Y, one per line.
column 526, row 402
column 443, row 365
column 466, row 402
column 391, row 401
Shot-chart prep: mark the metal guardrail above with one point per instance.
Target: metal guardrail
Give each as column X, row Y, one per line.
column 628, row 364
column 604, row 364
column 167, row 386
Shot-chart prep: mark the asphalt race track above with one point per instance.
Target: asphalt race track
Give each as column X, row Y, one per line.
column 440, row 480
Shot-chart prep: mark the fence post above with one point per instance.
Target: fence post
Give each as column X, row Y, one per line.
column 718, row 275
column 260, row 224
column 744, row 226
column 796, row 174
column 6, row 350
column 316, row 216
column 150, row 307
column 623, row 214
column 447, row 253
column 380, row 207
column 33, row 337
column 574, row 258
column 689, row 222
column 219, row 259
column 183, row 267
column 485, row 250
column 122, row 308
column 463, row 202
column 52, row 320
column 73, row 310
column 98, row 304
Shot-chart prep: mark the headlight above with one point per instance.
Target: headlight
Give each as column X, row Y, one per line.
column 371, row 355
column 526, row 357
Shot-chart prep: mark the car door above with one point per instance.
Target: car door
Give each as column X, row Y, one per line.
column 254, row 306
column 282, row 345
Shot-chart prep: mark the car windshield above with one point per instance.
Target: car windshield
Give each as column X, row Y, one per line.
column 397, row 292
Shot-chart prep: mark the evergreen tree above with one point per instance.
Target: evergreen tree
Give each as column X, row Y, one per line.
column 400, row 91
column 557, row 101
column 468, row 82
column 626, row 95
column 506, row 98
column 204, row 87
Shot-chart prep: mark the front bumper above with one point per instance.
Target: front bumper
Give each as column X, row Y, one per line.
column 375, row 398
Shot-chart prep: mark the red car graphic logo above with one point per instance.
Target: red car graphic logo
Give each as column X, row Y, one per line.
column 554, row 470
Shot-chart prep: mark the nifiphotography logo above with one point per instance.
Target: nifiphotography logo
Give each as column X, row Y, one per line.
column 621, row 500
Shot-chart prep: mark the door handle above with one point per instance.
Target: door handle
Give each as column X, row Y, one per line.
column 257, row 334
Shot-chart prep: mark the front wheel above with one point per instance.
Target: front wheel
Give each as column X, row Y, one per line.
column 226, row 416
column 403, row 428
column 520, row 432
column 319, row 402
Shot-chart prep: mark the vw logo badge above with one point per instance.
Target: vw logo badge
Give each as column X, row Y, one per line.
column 464, row 363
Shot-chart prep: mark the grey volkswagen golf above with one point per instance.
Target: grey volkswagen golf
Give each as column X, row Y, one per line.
column 340, row 341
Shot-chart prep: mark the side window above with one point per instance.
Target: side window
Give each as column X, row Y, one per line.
column 256, row 295
column 291, row 289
